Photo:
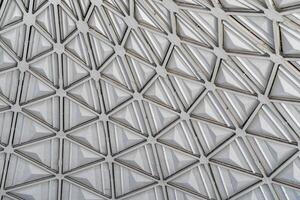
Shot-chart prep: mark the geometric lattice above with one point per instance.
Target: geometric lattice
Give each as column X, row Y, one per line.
column 149, row 99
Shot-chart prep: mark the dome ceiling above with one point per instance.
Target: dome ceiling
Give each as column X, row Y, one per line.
column 149, row 99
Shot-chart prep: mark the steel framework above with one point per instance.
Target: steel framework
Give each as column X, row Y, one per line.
column 149, row 99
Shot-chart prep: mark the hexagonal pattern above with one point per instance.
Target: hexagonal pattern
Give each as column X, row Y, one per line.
column 149, row 99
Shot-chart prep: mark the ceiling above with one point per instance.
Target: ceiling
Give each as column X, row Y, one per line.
column 149, row 99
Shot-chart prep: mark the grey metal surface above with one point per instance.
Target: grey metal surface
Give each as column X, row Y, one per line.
column 149, row 99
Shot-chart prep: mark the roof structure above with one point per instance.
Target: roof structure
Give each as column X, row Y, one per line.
column 149, row 99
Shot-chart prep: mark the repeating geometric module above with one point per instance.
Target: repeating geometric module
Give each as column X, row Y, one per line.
column 149, row 99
